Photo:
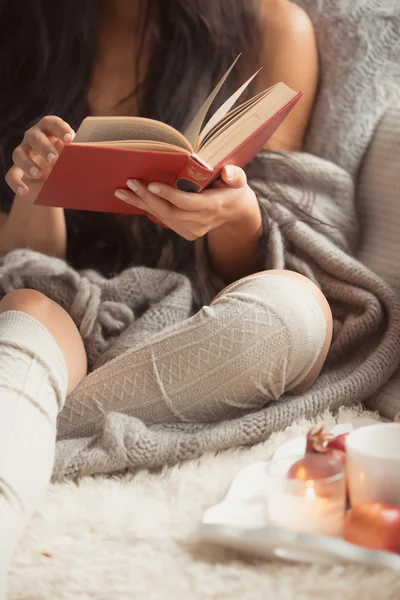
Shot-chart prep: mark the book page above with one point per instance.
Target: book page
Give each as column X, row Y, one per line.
column 139, row 145
column 193, row 131
column 222, row 111
column 232, row 116
column 114, row 129
column 220, row 146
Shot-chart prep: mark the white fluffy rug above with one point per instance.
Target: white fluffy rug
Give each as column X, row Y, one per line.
column 124, row 538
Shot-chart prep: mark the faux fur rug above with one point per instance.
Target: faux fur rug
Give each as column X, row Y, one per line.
column 126, row 538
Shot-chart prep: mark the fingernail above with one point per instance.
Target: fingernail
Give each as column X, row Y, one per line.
column 67, row 138
column 230, row 172
column 33, row 171
column 154, row 189
column 121, row 194
column 132, row 184
column 20, row 191
column 51, row 158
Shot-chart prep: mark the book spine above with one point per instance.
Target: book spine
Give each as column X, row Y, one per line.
column 194, row 176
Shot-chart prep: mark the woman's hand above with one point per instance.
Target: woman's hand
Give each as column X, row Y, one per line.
column 40, row 228
column 193, row 215
column 228, row 213
column 37, row 153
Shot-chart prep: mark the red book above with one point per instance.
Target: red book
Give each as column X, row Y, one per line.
column 108, row 151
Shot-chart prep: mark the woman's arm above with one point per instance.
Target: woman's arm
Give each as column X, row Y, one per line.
column 40, row 228
column 289, row 55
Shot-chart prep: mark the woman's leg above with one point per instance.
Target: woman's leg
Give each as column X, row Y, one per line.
column 41, row 358
column 322, row 302
column 263, row 336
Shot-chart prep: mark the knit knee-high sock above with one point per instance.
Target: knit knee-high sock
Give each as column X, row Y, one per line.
column 33, row 384
column 254, row 343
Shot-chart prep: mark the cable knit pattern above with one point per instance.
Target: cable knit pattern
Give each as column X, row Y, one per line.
column 230, row 358
column 103, row 309
column 359, row 49
column 364, row 354
column 379, row 210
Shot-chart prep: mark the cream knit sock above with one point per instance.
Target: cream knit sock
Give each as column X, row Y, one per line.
column 33, row 384
column 256, row 341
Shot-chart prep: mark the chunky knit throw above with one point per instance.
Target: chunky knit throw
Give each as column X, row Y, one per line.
column 360, row 51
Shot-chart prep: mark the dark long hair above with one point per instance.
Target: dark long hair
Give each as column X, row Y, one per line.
column 47, row 53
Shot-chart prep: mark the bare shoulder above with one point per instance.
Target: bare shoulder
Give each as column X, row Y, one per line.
column 289, row 54
column 284, row 18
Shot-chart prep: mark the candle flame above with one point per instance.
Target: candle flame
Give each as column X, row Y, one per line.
column 302, row 473
column 310, row 492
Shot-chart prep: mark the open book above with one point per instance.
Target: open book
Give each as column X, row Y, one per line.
column 107, row 151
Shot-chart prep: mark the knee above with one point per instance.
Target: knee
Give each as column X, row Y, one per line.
column 57, row 322
column 299, row 305
column 309, row 286
column 31, row 302
column 315, row 292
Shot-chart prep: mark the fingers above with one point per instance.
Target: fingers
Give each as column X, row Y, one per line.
column 51, row 125
column 14, row 180
column 44, row 140
column 188, row 224
column 170, row 204
column 47, row 139
column 164, row 214
column 234, row 177
column 37, row 141
column 183, row 200
column 142, row 198
column 22, row 159
column 190, row 215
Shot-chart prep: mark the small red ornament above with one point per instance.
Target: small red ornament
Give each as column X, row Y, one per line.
column 373, row 525
column 321, row 442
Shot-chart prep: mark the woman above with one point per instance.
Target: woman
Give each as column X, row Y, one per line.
column 69, row 59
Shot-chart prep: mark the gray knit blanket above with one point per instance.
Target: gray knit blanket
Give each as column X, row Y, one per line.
column 313, row 232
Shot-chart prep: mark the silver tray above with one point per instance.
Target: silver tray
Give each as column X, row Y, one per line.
column 276, row 543
column 240, row 521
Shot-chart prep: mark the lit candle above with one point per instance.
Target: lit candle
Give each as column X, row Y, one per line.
column 314, row 506
column 305, row 512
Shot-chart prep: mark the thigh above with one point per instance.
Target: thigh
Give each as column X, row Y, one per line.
column 57, row 322
column 256, row 341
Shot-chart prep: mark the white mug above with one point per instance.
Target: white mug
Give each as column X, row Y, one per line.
column 373, row 464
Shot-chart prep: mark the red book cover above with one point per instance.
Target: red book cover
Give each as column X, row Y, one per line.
column 85, row 177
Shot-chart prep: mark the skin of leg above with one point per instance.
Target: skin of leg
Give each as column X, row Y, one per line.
column 59, row 324
column 314, row 290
